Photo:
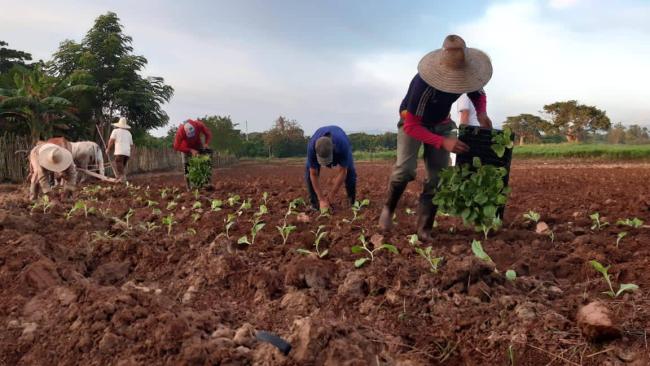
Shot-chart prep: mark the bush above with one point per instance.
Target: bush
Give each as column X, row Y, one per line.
column 199, row 171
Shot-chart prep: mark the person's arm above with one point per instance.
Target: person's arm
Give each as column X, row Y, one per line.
column 314, row 178
column 69, row 181
column 479, row 99
column 111, row 142
column 338, row 182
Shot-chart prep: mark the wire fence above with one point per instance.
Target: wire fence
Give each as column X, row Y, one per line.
column 14, row 152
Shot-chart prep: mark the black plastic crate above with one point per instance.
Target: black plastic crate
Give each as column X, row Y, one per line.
column 480, row 145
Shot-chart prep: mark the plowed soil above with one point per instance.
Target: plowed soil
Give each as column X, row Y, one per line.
column 97, row 291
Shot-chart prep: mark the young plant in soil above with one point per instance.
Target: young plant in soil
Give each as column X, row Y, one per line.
column 633, row 223
column 233, row 200
column 478, row 251
column 44, row 203
column 285, row 230
column 169, row 222
column 255, row 229
column 532, row 216
column 171, row 205
column 151, row 203
column 230, row 221
column 261, row 211
column 215, row 205
column 433, row 261
column 128, row 216
column 163, row 193
column 474, row 193
column 318, row 236
column 604, row 271
column 324, row 212
column 370, row 253
column 197, row 205
column 196, row 217
column 356, row 208
column 199, row 171
column 413, row 239
column 246, row 205
column 293, row 205
column 409, row 211
column 148, row 226
column 79, row 205
column 619, row 237
column 156, row 211
column 265, row 197
column 596, row 222
column 501, row 142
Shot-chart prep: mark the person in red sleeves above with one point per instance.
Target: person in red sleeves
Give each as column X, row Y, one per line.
column 192, row 139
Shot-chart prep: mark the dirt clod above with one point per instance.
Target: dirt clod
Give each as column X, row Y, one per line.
column 596, row 323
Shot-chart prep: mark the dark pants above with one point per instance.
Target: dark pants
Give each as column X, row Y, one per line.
column 350, row 186
column 120, row 166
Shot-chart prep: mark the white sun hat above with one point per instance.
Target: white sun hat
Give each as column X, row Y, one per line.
column 455, row 68
column 121, row 123
column 54, row 158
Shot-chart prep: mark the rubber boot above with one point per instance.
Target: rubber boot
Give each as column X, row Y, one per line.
column 426, row 215
column 395, row 191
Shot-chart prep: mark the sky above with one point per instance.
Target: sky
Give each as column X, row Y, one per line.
column 349, row 62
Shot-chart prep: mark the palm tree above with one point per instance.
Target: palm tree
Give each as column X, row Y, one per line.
column 41, row 101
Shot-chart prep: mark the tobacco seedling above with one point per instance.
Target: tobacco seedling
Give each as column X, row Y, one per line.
column 595, row 218
column 191, row 231
column 215, row 205
column 171, row 205
column 293, row 205
column 433, row 261
column 44, row 203
column 409, row 211
column 318, row 236
column 233, row 200
column 532, row 216
column 604, row 271
column 413, row 239
column 551, row 235
column 620, row 236
column 356, row 208
column 263, row 210
column 634, row 223
column 169, row 222
column 163, row 193
column 246, row 205
column 156, row 211
column 230, row 221
column 77, row 206
column 511, row 275
column 197, row 205
column 501, row 141
column 324, row 212
column 196, row 217
column 128, row 216
column 148, row 226
column 265, row 197
column 370, row 252
column 285, row 230
column 257, row 226
column 494, row 226
column 151, row 203
column 196, row 194
column 478, row 251
column 199, row 171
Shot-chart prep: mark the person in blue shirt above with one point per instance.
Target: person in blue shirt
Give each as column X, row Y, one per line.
column 329, row 147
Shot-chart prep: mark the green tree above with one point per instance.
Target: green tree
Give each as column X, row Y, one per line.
column 107, row 55
column 575, row 121
column 42, row 102
column 616, row 134
column 286, row 139
column 10, row 58
column 527, row 127
column 637, row 134
column 225, row 137
column 254, row 146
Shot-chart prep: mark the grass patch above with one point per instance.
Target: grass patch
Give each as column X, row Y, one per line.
column 606, row 151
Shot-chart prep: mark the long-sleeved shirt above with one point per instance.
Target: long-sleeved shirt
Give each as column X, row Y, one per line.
column 40, row 176
column 425, row 106
column 186, row 141
column 342, row 155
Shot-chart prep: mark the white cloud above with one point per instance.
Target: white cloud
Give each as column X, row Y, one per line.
column 561, row 4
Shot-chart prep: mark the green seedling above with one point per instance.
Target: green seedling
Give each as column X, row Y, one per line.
column 596, row 222
column 551, row 235
column 492, row 226
column 324, row 212
column 171, row 205
column 196, row 217
column 511, row 275
column 413, row 239
column 246, row 205
column 394, row 218
column 356, row 208
column 265, row 197
column 77, row 206
column 197, row 205
column 233, row 200
column 151, row 203
column 511, row 355
column 318, row 236
column 285, row 230
column 604, row 271
column 433, row 261
column 163, row 193
column 105, row 212
column 293, row 205
column 44, row 203
column 156, row 211
column 532, row 216
column 196, row 194
column 634, row 223
column 215, row 205
column 501, row 142
column 263, row 210
column 191, row 231
column 365, row 246
column 409, row 211
column 478, row 251
column 169, row 222
column 620, row 236
column 106, row 235
column 128, row 216
column 255, row 229
column 148, row 226
column 230, row 221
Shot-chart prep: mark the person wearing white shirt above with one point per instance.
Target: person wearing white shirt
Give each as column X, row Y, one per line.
column 123, row 141
column 466, row 116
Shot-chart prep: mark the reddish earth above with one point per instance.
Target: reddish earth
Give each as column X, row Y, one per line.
column 92, row 291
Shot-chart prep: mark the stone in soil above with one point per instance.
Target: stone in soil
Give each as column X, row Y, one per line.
column 596, row 322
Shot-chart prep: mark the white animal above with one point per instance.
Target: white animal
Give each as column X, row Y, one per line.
column 87, row 154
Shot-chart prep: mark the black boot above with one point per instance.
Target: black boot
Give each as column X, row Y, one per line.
column 395, row 191
column 426, row 215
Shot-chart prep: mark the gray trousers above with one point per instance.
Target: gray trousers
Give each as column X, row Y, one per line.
column 435, row 160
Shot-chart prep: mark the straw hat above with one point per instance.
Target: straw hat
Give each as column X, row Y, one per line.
column 54, row 158
column 455, row 68
column 121, row 123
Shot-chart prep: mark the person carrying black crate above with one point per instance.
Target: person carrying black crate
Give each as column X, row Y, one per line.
column 189, row 142
column 443, row 75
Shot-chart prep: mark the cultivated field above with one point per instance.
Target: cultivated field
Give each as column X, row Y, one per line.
column 130, row 284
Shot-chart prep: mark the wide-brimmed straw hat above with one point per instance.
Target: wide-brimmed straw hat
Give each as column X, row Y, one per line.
column 455, row 68
column 54, row 158
column 121, row 123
